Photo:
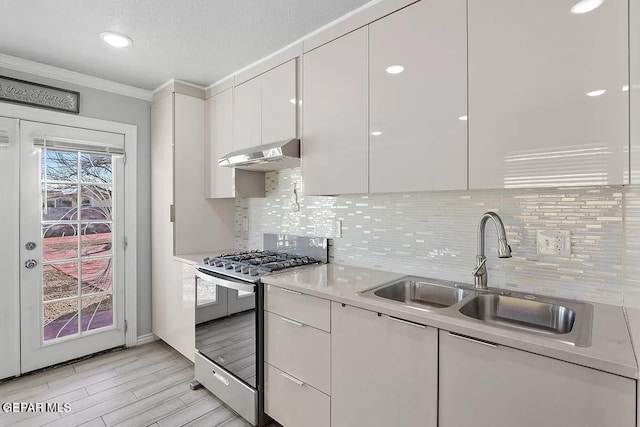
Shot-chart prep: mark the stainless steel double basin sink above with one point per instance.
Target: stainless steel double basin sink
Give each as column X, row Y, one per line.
column 557, row 319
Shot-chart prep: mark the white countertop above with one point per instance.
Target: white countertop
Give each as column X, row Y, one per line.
column 610, row 351
column 193, row 259
column 197, row 258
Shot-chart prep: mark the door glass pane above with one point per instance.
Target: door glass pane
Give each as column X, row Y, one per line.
column 97, row 312
column 96, row 239
column 96, row 202
column 59, row 242
column 60, row 319
column 97, row 275
column 59, row 165
column 96, row 168
column 59, row 281
column 61, row 202
column 77, row 242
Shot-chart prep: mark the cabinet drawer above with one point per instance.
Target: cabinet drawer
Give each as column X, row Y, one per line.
column 297, row 306
column 294, row 403
column 239, row 396
column 299, row 350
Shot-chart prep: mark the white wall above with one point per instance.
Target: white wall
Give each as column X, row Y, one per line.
column 108, row 106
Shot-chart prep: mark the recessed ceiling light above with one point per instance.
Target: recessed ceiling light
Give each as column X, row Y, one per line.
column 376, row 133
column 584, row 6
column 292, row 100
column 625, row 88
column 596, row 92
column 115, row 39
column 463, row 118
column 395, row 69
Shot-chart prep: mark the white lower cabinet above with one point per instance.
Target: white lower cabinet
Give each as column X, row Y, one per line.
column 300, row 350
column 294, row 403
column 384, row 371
column 486, row 385
column 297, row 358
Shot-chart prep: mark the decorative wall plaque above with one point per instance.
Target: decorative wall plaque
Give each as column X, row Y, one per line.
column 37, row 95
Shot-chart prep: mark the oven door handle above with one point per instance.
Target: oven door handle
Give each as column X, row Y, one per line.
column 238, row 286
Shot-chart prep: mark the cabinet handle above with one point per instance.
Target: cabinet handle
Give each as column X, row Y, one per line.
column 290, row 291
column 172, row 213
column 220, row 378
column 293, row 322
column 406, row 322
column 290, row 378
column 462, row 337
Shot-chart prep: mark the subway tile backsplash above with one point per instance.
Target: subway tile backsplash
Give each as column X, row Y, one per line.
column 434, row 234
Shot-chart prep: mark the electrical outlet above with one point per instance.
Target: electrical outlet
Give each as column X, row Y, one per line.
column 336, row 229
column 554, row 242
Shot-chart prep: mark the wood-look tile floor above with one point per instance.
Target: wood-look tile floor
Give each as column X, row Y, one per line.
column 140, row 386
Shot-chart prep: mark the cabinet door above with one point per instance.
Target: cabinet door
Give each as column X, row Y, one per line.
column 384, row 371
column 502, row 387
column 418, row 141
column 279, row 103
column 335, row 116
column 548, row 94
column 219, row 181
column 180, row 310
column 247, row 121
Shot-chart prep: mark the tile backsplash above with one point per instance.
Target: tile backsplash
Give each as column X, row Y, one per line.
column 434, row 234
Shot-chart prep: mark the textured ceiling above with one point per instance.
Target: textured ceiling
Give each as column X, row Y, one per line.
column 199, row 41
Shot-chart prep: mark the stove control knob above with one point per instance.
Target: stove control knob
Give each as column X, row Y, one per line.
column 206, row 261
column 246, row 269
column 253, row 272
column 228, row 265
column 217, row 263
column 237, row 268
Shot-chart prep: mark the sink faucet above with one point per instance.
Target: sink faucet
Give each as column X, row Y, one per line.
column 504, row 250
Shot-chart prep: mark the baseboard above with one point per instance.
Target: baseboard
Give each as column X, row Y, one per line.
column 145, row 339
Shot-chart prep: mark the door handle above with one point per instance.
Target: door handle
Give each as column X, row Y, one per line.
column 465, row 338
column 406, row 322
column 31, row 263
column 292, row 379
column 220, row 378
column 293, row 322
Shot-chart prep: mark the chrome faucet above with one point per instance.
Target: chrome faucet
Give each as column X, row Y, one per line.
column 504, row 250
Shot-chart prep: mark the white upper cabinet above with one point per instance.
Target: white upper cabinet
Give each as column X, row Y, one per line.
column 265, row 108
column 336, row 116
column 219, row 181
column 279, row 103
column 418, row 98
column 548, row 94
column 247, row 115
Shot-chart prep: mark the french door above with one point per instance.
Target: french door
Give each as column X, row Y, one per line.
column 71, row 243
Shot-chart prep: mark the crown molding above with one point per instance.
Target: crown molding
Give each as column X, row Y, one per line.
column 68, row 76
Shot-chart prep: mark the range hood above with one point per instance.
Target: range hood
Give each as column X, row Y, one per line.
column 265, row 158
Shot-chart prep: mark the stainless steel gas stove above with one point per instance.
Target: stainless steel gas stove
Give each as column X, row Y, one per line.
column 230, row 318
column 251, row 265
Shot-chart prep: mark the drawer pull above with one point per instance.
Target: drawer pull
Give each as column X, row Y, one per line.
column 290, row 291
column 406, row 322
column 293, row 322
column 290, row 378
column 220, row 378
column 462, row 337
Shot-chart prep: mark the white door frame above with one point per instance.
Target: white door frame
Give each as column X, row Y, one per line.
column 130, row 133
